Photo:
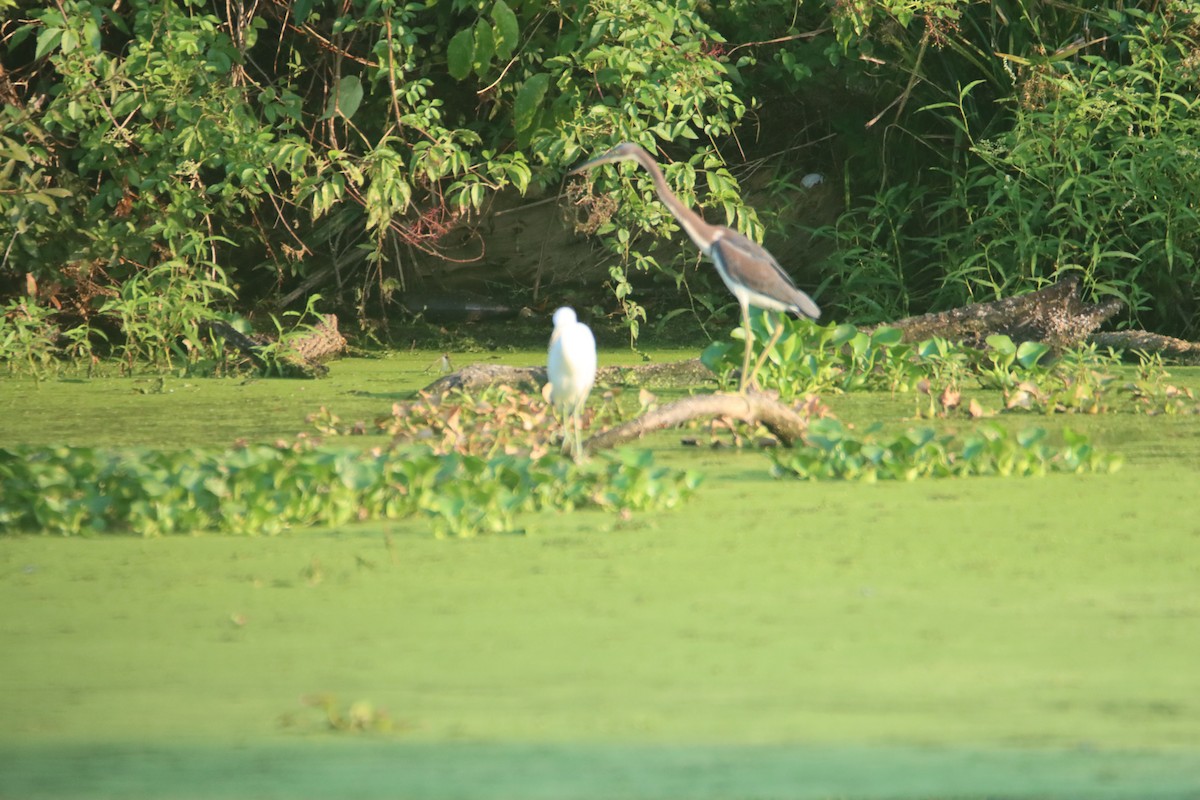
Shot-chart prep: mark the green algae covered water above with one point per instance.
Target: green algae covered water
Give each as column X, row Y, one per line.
column 771, row 638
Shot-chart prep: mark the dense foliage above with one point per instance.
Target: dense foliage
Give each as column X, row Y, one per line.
column 164, row 160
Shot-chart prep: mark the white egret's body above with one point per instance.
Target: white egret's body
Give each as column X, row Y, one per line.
column 752, row 274
column 572, row 370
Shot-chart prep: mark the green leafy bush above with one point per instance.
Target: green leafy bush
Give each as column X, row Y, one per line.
column 236, row 155
column 318, row 142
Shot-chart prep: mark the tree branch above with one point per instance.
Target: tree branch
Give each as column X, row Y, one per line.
column 784, row 422
column 1055, row 315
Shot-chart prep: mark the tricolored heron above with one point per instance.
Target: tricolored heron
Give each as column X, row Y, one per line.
column 572, row 371
column 750, row 272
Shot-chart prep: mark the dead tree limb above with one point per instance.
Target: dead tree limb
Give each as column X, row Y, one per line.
column 1179, row 350
column 479, row 376
column 1056, row 315
column 784, row 422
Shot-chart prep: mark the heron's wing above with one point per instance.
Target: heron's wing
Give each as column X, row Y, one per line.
column 749, row 265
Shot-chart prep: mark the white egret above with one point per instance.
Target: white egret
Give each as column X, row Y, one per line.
column 572, row 371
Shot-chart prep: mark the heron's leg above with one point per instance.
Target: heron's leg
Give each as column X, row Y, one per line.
column 762, row 359
column 743, row 384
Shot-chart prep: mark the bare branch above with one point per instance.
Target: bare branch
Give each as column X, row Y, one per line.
column 783, row 421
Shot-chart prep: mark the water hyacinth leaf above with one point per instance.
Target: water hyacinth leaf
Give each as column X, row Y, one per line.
column 1031, row 436
column 860, row 344
column 785, row 349
column 874, row 453
column 843, row 333
column 887, row 337
column 1001, row 344
column 825, row 433
column 1029, row 353
column 972, row 448
column 1072, row 438
column 921, row 436
column 713, row 355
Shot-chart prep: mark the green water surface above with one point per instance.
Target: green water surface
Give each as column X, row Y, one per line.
column 953, row 638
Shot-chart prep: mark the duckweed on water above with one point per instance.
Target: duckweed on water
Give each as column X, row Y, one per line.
column 785, row 614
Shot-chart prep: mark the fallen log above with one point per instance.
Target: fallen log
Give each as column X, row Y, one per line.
column 1056, row 315
column 1179, row 350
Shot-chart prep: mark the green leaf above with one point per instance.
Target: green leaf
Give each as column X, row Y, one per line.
column 20, row 35
column 843, row 333
column 1031, row 436
column 461, row 53
column 346, row 98
column 47, row 40
column 920, row 436
column 70, row 40
column 529, row 100
column 1029, row 353
column 485, row 47
column 91, row 34
column 350, row 95
column 887, row 337
column 508, row 32
column 1001, row 344
column 300, row 10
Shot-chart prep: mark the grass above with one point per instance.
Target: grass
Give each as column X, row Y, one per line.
column 957, row 638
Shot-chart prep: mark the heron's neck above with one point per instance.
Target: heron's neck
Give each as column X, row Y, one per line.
column 700, row 231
